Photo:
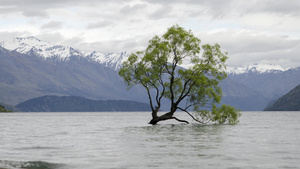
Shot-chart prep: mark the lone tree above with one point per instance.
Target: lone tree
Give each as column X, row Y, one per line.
column 158, row 69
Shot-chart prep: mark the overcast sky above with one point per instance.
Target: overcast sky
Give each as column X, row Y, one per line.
column 253, row 31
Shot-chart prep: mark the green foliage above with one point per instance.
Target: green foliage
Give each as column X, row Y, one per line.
column 218, row 115
column 158, row 69
column 2, row 109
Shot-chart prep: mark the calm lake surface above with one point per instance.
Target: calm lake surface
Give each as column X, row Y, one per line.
column 124, row 140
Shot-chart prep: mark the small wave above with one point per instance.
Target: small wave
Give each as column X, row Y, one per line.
column 5, row 164
column 35, row 147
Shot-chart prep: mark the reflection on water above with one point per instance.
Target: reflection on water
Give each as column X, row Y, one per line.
column 180, row 144
column 187, row 134
column 125, row 141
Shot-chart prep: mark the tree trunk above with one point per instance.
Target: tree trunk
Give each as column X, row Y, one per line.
column 156, row 119
column 167, row 116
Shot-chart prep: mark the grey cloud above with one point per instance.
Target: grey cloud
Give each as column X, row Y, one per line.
column 216, row 8
column 104, row 46
column 54, row 38
column 163, row 12
column 38, row 8
column 74, row 42
column 257, row 44
column 100, row 46
column 219, row 9
column 249, row 42
column 6, row 10
column 130, row 45
column 28, row 12
column 164, row 2
column 290, row 7
column 30, row 8
column 35, row 13
column 5, row 36
column 127, row 9
column 58, row 38
column 44, row 4
column 285, row 58
column 246, row 47
column 99, row 24
column 52, row 25
column 242, row 46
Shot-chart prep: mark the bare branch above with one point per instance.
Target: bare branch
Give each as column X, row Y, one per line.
column 188, row 106
column 175, row 61
column 153, row 85
column 166, row 66
column 149, row 95
column 186, row 94
column 163, row 90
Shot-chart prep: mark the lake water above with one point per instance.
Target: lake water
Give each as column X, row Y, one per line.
column 124, row 140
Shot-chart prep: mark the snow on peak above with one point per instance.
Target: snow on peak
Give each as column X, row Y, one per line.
column 45, row 50
column 23, row 44
column 259, row 68
column 112, row 60
column 262, row 68
column 29, row 45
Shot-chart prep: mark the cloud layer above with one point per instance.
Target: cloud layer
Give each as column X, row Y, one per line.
column 258, row 31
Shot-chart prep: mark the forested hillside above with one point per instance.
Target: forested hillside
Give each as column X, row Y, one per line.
column 288, row 102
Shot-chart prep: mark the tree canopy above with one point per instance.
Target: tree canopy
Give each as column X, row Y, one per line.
column 193, row 89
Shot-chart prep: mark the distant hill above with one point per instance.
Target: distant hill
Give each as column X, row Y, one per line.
column 288, row 102
column 79, row 104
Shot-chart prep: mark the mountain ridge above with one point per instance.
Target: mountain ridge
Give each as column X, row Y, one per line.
column 94, row 75
column 31, row 44
column 259, row 68
column 24, row 77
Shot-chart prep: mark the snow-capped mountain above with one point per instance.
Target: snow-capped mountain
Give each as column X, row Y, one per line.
column 32, row 68
column 258, row 68
column 112, row 60
column 45, row 50
column 28, row 45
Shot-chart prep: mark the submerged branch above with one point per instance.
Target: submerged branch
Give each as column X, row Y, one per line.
column 184, row 121
column 191, row 115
